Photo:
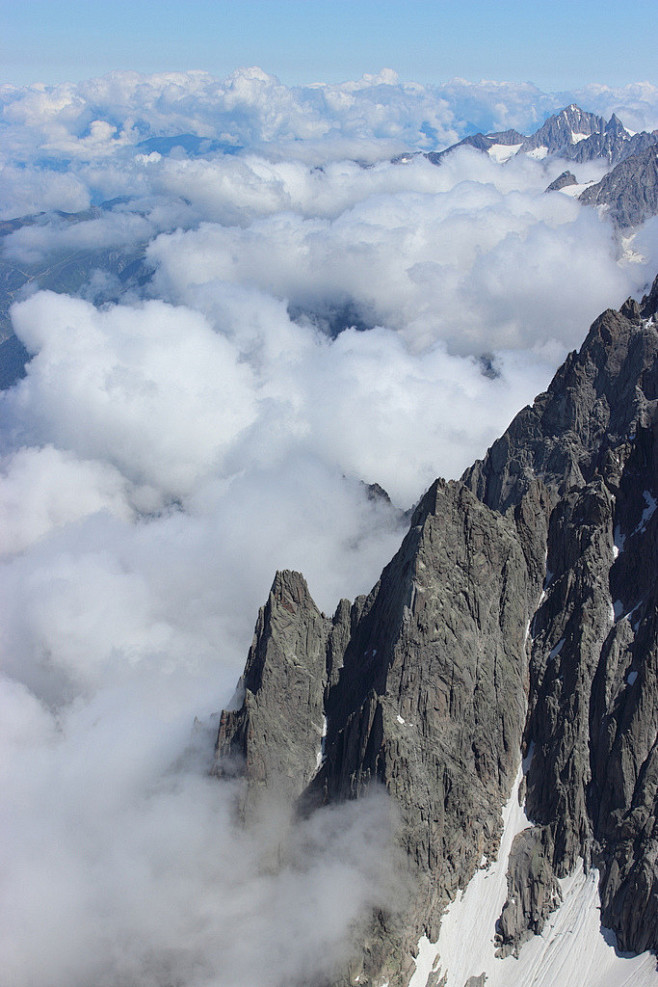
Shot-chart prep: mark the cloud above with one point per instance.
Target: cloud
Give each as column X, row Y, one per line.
column 126, row 866
column 153, row 391
column 456, row 254
column 33, row 190
column 45, row 488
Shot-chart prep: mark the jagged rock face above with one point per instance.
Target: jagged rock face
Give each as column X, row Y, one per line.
column 572, row 134
column 591, row 407
column 520, row 611
column 593, row 707
column 630, row 191
column 557, row 132
column 564, row 180
column 431, row 697
column 533, row 892
column 285, row 676
column 614, row 145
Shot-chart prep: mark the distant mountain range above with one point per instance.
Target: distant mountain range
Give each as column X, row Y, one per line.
column 629, row 192
column 572, row 134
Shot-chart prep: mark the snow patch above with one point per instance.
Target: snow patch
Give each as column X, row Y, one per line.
column 577, row 138
column 575, row 190
column 573, row 948
column 539, row 153
column 400, row 720
column 319, row 757
column 619, row 540
column 503, row 152
column 464, row 943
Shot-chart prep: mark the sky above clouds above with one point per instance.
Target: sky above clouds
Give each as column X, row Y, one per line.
column 304, row 317
column 558, row 46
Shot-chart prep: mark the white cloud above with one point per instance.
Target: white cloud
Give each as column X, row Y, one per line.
column 447, row 254
column 30, row 190
column 45, row 488
column 152, row 390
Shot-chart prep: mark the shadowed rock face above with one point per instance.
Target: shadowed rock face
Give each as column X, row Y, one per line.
column 519, row 612
column 277, row 733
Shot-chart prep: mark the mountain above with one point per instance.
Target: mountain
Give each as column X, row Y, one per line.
column 630, row 191
column 572, row 134
column 519, row 617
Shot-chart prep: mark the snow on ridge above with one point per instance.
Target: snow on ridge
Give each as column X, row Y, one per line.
column 575, row 190
column 503, row 152
column 464, row 940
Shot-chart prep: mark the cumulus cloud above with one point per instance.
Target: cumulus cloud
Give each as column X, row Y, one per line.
column 456, row 254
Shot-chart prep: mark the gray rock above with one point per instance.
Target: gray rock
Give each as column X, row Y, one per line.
column 564, row 180
column 630, row 191
column 275, row 738
column 532, row 890
column 556, row 134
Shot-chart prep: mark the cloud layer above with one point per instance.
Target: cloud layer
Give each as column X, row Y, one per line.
column 63, row 144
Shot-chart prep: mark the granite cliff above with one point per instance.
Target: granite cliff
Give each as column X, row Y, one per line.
column 519, row 615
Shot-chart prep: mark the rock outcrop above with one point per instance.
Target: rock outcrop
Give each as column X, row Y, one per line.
column 519, row 613
column 564, row 180
column 630, row 191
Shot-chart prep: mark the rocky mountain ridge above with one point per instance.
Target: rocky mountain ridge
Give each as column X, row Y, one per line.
column 518, row 615
column 572, row 134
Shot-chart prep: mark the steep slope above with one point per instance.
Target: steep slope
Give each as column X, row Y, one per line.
column 562, row 131
column 592, row 728
column 518, row 613
column 630, row 191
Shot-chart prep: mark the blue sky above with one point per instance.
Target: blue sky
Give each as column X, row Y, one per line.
column 558, row 46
